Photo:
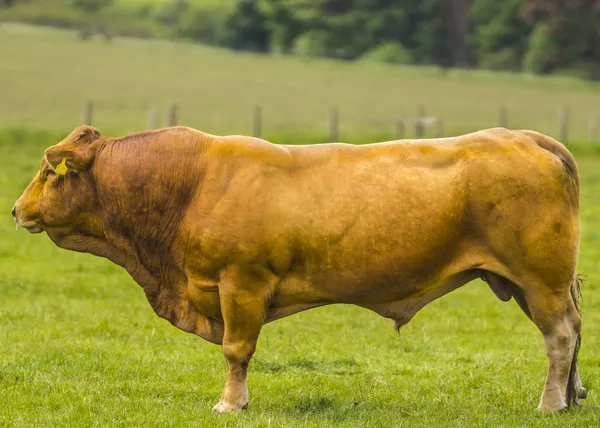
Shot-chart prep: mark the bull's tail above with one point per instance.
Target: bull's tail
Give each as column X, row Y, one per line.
column 574, row 389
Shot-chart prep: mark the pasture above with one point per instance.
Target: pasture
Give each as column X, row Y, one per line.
column 46, row 76
column 80, row 346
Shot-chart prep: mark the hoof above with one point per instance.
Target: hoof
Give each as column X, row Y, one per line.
column 225, row 407
column 582, row 393
column 551, row 409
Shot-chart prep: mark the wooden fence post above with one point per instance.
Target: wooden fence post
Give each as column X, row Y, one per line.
column 153, row 119
column 503, row 117
column 563, row 125
column 87, row 113
column 171, row 115
column 399, row 128
column 419, row 124
column 439, row 127
column 257, row 121
column 593, row 129
column 333, row 125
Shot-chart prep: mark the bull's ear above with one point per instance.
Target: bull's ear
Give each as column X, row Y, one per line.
column 78, row 149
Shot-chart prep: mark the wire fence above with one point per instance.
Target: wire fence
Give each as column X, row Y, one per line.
column 418, row 123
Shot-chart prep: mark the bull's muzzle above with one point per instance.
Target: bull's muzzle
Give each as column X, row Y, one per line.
column 31, row 226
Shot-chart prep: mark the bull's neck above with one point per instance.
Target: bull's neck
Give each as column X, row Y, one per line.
column 144, row 188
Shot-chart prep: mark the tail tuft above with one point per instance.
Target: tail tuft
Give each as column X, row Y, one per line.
column 576, row 290
column 574, row 390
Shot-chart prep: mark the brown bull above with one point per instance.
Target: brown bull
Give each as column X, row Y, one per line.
column 226, row 234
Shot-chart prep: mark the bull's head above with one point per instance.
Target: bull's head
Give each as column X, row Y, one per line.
column 60, row 199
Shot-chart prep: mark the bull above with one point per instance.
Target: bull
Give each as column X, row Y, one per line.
column 226, row 234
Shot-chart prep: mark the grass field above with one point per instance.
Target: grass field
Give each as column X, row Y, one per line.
column 80, row 346
column 46, row 75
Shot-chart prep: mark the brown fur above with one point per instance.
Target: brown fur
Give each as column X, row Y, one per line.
column 225, row 234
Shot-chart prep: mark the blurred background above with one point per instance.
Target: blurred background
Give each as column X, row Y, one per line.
column 302, row 70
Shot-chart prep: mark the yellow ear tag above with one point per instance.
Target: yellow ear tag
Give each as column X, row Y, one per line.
column 61, row 168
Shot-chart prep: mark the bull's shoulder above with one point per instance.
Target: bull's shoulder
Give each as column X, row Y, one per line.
column 488, row 138
column 309, row 155
column 252, row 149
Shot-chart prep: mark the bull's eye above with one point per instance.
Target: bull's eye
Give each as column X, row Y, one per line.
column 51, row 176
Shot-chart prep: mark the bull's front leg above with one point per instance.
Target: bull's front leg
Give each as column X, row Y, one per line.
column 244, row 302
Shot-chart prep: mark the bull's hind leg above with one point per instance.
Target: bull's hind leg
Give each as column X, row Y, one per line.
column 506, row 289
column 558, row 319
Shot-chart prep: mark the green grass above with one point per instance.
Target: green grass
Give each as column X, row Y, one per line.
column 46, row 75
column 80, row 346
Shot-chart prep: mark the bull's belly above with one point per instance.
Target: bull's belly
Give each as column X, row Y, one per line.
column 396, row 298
column 344, row 287
column 298, row 292
column 385, row 283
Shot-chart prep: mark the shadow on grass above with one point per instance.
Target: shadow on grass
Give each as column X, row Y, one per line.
column 339, row 367
column 330, row 410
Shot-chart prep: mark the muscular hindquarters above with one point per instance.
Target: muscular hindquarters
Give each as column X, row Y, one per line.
column 525, row 219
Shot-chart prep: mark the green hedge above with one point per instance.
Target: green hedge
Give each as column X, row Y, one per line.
column 110, row 22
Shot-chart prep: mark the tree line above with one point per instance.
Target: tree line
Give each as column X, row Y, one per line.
column 536, row 36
